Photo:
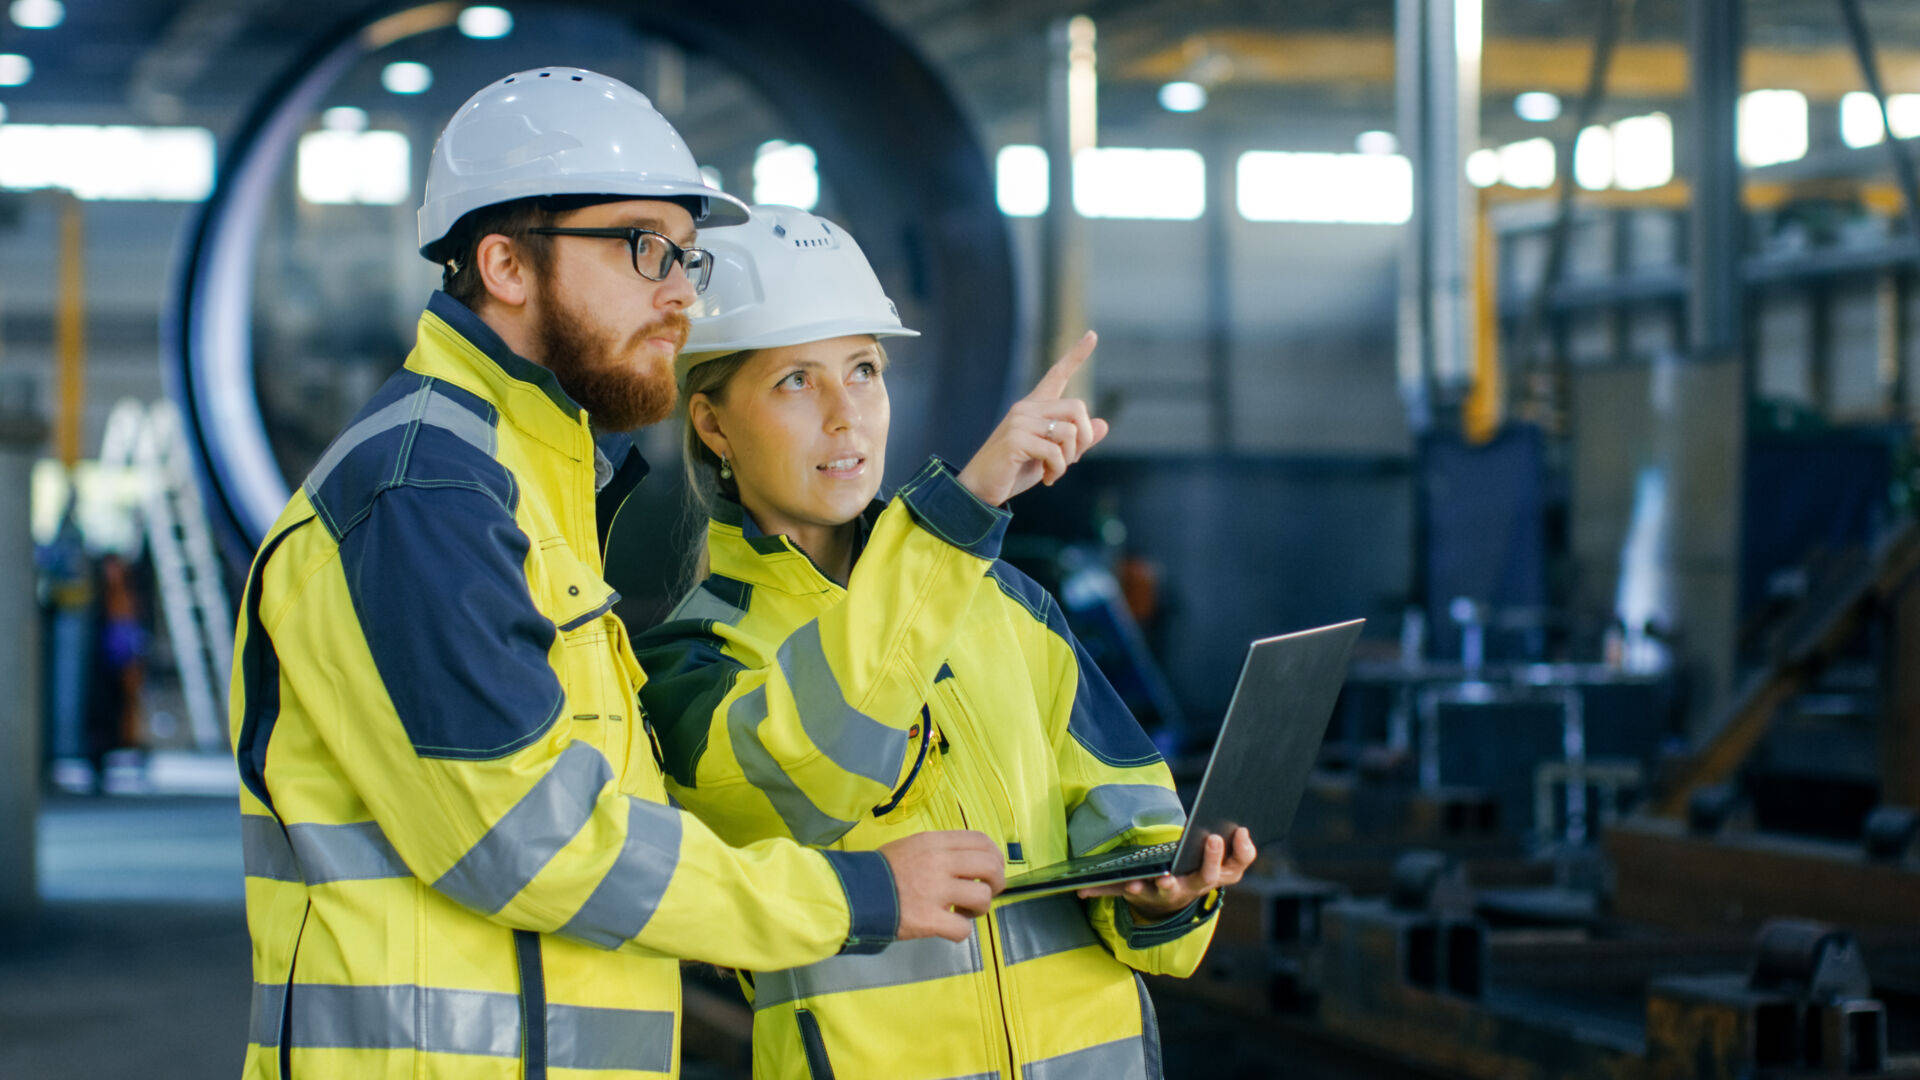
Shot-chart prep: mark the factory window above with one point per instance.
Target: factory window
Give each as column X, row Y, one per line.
column 1367, row 189
column 786, row 173
column 1643, row 151
column 355, row 167
column 173, row 164
column 1860, row 123
column 1773, row 127
column 1527, row 164
column 1130, row 182
column 1593, row 158
column 1020, row 178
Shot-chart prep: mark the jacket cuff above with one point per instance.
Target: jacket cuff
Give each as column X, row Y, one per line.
column 943, row 506
column 873, row 905
column 1174, row 926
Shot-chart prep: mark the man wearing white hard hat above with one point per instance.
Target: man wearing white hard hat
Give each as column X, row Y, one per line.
column 460, row 857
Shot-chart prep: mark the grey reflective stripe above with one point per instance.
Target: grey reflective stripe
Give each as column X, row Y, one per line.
column 1042, row 927
column 976, row 1076
column 356, row 852
column 807, row 822
column 1112, row 810
column 319, row 854
column 264, row 850
column 1149, row 1031
column 626, row 897
column 1122, row 1059
column 848, row 737
column 403, row 1017
column 581, row 1037
column 263, row 1023
column 896, row 965
column 424, row 404
column 528, row 836
column 446, row 1021
column 701, row 604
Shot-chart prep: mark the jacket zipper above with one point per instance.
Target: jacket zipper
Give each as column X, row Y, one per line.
column 991, row 960
column 986, row 779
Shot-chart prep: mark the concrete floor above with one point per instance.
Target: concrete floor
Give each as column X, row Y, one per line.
column 138, row 964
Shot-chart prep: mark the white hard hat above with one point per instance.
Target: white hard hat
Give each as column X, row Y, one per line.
column 785, row 277
column 561, row 131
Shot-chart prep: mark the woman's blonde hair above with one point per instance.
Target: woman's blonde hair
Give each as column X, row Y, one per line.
column 705, row 487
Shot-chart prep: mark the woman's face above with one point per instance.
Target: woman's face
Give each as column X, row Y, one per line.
column 805, row 427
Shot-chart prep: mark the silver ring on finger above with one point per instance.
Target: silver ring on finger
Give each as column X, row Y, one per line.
column 1048, row 433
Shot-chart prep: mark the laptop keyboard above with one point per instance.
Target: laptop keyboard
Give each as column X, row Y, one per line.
column 1132, row 858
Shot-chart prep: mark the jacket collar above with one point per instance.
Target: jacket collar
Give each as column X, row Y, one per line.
column 457, row 345
column 739, row 549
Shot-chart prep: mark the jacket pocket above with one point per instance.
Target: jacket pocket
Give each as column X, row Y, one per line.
column 580, row 604
column 818, row 1066
column 982, row 762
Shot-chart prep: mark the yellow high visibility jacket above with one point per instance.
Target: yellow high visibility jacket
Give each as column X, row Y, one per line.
column 460, row 859
column 940, row 689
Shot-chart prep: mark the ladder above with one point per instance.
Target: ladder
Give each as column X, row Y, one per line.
column 150, row 441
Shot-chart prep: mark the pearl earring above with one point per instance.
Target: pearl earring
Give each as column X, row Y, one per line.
column 726, row 468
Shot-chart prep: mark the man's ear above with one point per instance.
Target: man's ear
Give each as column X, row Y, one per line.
column 503, row 270
column 706, row 424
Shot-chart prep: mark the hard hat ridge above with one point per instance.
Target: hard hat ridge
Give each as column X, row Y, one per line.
column 560, row 131
column 785, row 277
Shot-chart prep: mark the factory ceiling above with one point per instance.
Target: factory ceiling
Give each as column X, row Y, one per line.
column 1265, row 61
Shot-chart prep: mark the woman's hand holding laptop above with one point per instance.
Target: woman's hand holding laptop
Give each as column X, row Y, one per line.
column 1157, row 898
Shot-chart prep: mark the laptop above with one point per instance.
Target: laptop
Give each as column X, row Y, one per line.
column 1266, row 748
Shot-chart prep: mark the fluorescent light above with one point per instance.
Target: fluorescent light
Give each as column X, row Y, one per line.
column 406, row 77
column 1904, row 111
column 1377, row 142
column 355, row 167
column 344, row 118
column 1133, row 182
column 1365, row 189
column 1528, row 163
column 1483, row 168
column 173, row 164
column 1593, row 158
column 1021, row 174
column 1183, row 97
column 37, row 14
column 786, row 174
column 1772, row 127
column 1860, row 120
column 1643, row 151
column 1537, row 106
column 15, row 69
column 484, row 21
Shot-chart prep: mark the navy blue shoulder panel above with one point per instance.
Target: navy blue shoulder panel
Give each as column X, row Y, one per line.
column 1100, row 722
column 416, row 431
column 438, row 580
column 436, row 568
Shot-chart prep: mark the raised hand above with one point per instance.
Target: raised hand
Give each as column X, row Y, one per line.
column 1040, row 436
column 945, row 880
column 1157, row 898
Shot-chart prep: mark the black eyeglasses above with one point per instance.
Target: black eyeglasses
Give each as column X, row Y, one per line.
column 653, row 253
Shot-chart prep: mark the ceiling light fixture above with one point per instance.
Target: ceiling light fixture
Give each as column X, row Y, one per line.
column 485, row 22
column 406, row 77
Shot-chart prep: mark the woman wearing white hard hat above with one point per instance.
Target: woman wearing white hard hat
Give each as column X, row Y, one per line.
column 849, row 672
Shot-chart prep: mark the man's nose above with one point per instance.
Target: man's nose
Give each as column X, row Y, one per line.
column 676, row 291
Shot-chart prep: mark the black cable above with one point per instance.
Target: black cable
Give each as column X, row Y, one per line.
column 1614, row 15
column 1863, row 51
